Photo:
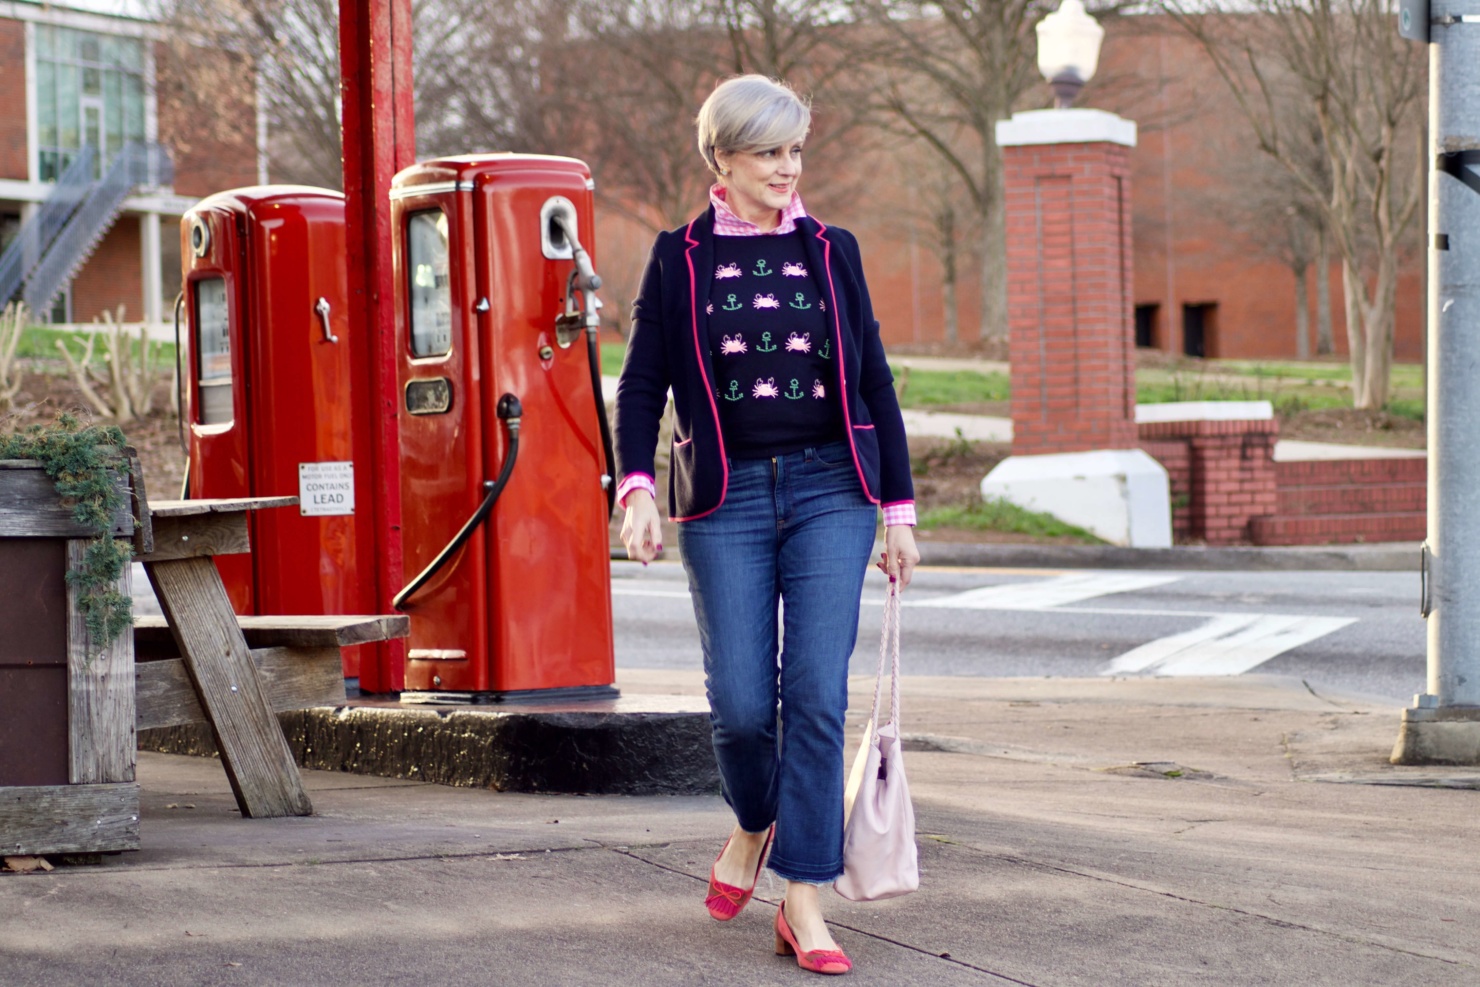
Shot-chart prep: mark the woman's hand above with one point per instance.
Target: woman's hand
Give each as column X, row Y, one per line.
column 642, row 528
column 900, row 556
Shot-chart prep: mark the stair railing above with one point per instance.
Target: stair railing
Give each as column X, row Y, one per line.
column 134, row 165
column 29, row 247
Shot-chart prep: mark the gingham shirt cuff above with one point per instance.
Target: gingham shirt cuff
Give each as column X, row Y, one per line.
column 899, row 512
column 641, row 481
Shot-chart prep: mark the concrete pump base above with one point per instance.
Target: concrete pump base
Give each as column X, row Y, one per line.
column 635, row 745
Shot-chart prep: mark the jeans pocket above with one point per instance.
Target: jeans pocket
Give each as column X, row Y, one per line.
column 834, row 456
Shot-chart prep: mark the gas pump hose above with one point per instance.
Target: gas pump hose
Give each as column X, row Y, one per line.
column 510, row 411
column 606, row 428
column 180, row 402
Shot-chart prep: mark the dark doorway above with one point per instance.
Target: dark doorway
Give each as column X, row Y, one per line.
column 1199, row 329
column 1146, row 325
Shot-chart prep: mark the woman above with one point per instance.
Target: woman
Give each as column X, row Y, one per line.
column 787, row 436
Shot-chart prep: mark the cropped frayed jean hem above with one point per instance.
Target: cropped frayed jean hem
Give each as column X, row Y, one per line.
column 805, row 875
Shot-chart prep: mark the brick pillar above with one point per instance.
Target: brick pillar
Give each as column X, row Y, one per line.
column 1070, row 283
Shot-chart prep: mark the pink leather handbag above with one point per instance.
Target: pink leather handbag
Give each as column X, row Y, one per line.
column 880, row 859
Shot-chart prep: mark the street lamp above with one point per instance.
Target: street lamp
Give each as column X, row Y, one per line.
column 1068, row 50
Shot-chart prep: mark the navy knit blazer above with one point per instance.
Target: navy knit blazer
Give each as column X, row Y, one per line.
column 669, row 347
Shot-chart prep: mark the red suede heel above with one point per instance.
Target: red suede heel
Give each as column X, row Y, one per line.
column 724, row 901
column 829, row 961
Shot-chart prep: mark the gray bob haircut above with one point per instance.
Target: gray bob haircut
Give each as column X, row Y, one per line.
column 750, row 113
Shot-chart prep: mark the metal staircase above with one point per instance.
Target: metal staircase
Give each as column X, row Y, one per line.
column 54, row 244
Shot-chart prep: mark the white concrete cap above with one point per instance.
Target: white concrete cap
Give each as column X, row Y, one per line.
column 1065, row 127
column 1205, row 411
column 1121, row 495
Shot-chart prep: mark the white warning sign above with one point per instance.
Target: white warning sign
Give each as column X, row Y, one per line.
column 326, row 489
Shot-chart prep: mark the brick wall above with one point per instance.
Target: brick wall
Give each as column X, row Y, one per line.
column 1175, row 456
column 13, row 162
column 1069, row 297
column 1222, row 475
column 112, row 276
column 1347, row 500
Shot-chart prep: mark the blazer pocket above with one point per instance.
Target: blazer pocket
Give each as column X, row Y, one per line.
column 862, row 427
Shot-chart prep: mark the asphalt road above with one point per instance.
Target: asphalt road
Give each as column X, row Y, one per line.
column 1352, row 632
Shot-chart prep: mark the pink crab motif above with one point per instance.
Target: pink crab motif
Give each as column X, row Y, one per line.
column 727, row 271
column 822, row 304
column 765, row 388
column 799, row 344
column 730, row 345
column 789, row 270
column 709, row 309
column 766, row 301
column 818, row 391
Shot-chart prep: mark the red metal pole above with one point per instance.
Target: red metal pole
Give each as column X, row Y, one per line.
column 379, row 139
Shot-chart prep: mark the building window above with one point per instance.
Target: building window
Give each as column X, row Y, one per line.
column 60, row 312
column 1146, row 325
column 89, row 90
column 1200, row 330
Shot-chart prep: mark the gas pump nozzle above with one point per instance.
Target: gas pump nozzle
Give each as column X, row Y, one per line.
column 584, row 279
column 570, row 323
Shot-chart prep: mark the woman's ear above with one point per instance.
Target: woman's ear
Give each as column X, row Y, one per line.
column 721, row 160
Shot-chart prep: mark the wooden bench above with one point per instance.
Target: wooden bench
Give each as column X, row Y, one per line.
column 298, row 660
column 219, row 676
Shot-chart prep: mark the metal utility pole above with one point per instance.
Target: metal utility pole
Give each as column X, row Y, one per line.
column 1443, row 725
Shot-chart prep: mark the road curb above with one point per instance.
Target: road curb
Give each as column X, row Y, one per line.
column 1387, row 557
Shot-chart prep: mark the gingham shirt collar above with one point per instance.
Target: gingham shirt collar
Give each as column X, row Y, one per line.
column 726, row 223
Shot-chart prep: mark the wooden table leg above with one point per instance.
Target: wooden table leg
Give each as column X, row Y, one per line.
column 258, row 762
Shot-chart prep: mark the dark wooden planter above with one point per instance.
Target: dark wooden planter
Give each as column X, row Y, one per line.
column 66, row 704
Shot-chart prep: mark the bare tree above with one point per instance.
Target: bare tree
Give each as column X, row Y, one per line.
column 949, row 70
column 1275, row 216
column 618, row 82
column 1364, row 86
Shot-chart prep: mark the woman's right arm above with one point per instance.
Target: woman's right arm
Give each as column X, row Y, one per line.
column 642, row 396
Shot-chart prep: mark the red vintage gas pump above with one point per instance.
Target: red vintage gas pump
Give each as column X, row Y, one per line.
column 505, row 456
column 265, row 372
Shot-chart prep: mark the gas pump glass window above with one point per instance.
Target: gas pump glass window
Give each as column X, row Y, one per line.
column 431, row 289
column 214, row 345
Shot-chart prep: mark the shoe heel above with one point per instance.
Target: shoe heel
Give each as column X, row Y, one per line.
column 783, row 948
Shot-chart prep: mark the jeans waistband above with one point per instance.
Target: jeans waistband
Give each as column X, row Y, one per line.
column 805, row 455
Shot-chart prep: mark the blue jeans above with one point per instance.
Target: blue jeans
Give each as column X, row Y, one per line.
column 798, row 530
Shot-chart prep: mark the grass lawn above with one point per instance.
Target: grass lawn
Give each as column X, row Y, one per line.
column 999, row 515
column 924, row 388
column 40, row 343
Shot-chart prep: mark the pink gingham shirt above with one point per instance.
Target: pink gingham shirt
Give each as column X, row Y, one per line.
column 727, row 223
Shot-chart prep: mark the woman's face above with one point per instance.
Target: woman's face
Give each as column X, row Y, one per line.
column 760, row 183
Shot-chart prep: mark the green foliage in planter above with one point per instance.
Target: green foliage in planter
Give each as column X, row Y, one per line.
column 84, row 461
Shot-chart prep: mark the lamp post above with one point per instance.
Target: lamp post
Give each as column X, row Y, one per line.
column 1068, row 50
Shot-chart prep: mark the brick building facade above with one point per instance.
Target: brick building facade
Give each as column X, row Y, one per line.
column 73, row 78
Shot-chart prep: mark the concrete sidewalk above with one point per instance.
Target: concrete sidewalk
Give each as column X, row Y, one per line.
column 1072, row 832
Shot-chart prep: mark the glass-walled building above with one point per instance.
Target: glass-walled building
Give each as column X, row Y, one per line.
column 89, row 90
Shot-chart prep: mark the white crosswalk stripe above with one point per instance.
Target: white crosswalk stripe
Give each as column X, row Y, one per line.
column 1046, row 593
column 1231, row 644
